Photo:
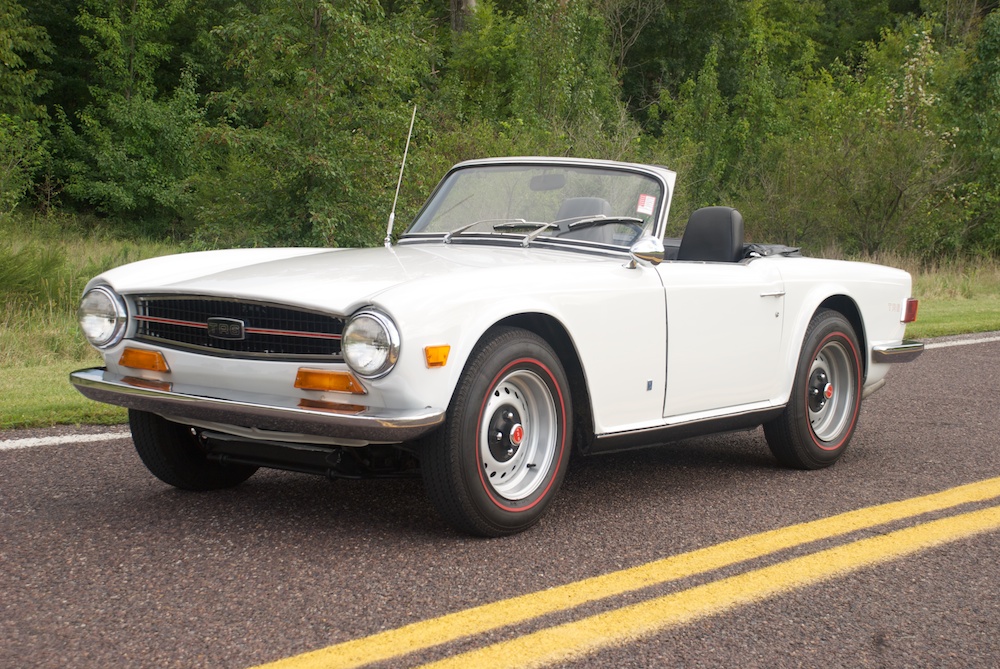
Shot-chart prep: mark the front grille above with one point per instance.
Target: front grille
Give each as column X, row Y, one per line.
column 268, row 331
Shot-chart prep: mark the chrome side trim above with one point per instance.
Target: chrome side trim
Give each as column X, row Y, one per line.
column 903, row 351
column 663, row 434
column 268, row 412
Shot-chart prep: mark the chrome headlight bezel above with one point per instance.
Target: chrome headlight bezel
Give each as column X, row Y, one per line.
column 103, row 317
column 370, row 344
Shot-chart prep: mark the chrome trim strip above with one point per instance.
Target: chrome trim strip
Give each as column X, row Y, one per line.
column 903, row 351
column 373, row 426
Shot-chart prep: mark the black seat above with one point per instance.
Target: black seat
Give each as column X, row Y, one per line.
column 574, row 207
column 713, row 234
column 585, row 207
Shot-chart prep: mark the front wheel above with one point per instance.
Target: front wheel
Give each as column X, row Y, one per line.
column 822, row 412
column 172, row 454
column 496, row 464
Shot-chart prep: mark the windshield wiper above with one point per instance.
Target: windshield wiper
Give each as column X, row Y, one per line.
column 501, row 224
column 521, row 223
column 593, row 221
column 542, row 227
column 459, row 230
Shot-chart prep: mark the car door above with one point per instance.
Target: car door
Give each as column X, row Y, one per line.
column 724, row 325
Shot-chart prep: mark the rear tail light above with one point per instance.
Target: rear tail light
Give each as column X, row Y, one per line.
column 910, row 313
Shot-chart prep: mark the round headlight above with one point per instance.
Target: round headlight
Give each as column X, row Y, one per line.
column 102, row 317
column 371, row 344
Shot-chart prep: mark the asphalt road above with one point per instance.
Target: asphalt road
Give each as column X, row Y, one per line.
column 103, row 566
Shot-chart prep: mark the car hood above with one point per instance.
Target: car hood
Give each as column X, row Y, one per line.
column 331, row 279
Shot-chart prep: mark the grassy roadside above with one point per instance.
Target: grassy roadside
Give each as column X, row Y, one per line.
column 956, row 299
column 41, row 396
column 45, row 264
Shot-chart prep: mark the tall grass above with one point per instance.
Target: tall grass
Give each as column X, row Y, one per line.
column 44, row 265
column 957, row 295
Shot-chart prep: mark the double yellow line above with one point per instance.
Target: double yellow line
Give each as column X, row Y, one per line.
column 578, row 638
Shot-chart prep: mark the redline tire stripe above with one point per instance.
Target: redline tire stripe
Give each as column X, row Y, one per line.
column 562, row 435
column 822, row 445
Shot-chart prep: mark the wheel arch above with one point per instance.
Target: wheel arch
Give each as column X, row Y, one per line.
column 849, row 309
column 557, row 336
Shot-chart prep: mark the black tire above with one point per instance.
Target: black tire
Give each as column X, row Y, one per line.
column 822, row 413
column 496, row 464
column 174, row 456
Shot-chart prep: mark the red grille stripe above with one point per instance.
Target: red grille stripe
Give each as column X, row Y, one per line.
column 293, row 333
column 265, row 331
column 171, row 321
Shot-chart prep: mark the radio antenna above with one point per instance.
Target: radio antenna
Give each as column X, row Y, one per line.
column 392, row 214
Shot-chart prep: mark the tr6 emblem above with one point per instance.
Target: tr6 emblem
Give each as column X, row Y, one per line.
column 226, row 328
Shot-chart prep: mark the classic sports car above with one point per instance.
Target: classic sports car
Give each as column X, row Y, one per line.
column 532, row 310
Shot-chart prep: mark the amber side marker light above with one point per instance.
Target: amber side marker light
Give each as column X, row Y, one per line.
column 327, row 381
column 148, row 384
column 910, row 314
column 137, row 358
column 436, row 356
column 331, row 407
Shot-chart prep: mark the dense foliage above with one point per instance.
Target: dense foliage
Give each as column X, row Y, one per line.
column 866, row 125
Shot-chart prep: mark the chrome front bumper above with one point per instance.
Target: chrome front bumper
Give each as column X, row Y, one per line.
column 903, row 351
column 271, row 413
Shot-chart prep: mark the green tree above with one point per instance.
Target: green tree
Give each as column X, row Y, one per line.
column 20, row 85
column 22, row 148
column 975, row 101
column 132, row 151
column 323, row 101
column 21, row 154
column 866, row 165
column 127, row 41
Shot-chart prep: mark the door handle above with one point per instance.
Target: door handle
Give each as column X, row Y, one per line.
column 777, row 293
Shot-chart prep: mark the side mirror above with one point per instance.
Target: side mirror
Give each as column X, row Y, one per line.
column 647, row 249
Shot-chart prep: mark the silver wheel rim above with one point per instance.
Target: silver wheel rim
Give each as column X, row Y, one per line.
column 518, row 435
column 832, row 390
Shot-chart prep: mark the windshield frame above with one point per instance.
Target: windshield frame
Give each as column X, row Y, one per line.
column 529, row 236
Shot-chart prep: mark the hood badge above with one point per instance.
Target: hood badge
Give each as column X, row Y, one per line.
column 229, row 329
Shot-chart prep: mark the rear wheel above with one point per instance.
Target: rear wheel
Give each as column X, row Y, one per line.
column 496, row 464
column 172, row 453
column 822, row 412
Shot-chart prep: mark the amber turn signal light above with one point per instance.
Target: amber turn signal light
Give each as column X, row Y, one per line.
column 148, row 384
column 327, row 381
column 331, row 407
column 436, row 356
column 137, row 358
column 910, row 314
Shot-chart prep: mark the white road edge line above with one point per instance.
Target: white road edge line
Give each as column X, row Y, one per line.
column 962, row 342
column 14, row 444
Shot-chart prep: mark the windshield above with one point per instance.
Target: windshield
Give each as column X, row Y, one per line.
column 543, row 201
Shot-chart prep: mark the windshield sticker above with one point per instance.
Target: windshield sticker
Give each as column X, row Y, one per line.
column 647, row 203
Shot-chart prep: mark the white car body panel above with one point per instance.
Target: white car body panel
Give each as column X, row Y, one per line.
column 657, row 346
column 725, row 321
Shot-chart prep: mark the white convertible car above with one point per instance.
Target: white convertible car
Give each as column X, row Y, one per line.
column 531, row 311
